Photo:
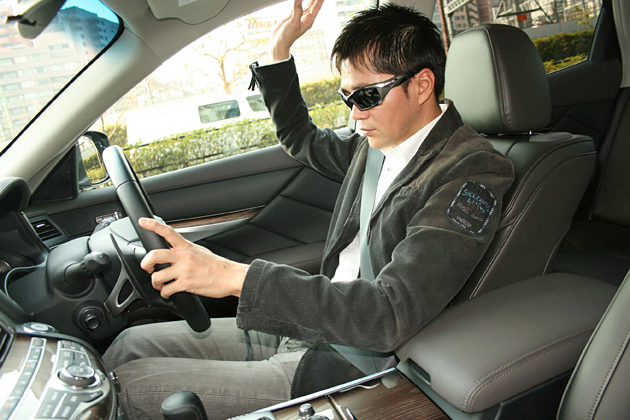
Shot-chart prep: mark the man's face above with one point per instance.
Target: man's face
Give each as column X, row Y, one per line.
column 396, row 119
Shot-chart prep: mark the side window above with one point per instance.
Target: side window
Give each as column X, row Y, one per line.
column 219, row 111
column 561, row 30
column 196, row 108
column 256, row 103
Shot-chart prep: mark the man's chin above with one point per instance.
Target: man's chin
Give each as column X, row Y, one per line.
column 375, row 141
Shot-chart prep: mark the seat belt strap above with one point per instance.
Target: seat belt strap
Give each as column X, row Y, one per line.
column 373, row 166
column 368, row 361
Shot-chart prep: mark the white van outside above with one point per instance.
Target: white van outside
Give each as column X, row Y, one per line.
column 154, row 122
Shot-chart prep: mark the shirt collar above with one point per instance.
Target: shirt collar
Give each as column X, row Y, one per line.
column 408, row 148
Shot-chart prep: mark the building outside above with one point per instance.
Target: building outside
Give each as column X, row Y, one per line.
column 28, row 82
column 463, row 14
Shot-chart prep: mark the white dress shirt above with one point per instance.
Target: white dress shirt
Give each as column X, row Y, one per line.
column 396, row 159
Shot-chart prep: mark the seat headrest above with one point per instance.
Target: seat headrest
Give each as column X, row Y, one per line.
column 497, row 81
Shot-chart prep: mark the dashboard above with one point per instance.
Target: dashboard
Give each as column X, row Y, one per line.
column 46, row 375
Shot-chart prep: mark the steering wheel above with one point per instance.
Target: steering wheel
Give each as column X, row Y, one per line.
column 136, row 203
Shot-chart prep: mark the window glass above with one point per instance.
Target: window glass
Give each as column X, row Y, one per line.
column 256, row 103
column 55, row 50
column 192, row 110
column 219, row 111
column 561, row 29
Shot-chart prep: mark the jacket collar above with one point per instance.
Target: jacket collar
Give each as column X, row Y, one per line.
column 443, row 130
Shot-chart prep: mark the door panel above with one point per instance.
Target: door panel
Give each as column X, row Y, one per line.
column 286, row 207
column 583, row 97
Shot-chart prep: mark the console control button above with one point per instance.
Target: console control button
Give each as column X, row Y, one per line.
column 35, row 352
column 81, row 359
column 53, row 396
column 38, row 327
column 77, row 375
column 46, row 411
column 92, row 396
column 306, row 410
column 65, row 411
column 18, row 390
column 7, row 408
column 74, row 398
column 71, row 345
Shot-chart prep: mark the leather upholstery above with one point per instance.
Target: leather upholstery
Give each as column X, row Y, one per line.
column 538, row 209
column 498, row 345
column 496, row 79
column 184, row 405
column 598, row 389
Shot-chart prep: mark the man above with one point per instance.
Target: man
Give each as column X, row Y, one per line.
column 420, row 245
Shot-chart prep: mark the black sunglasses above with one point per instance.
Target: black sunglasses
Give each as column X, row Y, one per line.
column 371, row 95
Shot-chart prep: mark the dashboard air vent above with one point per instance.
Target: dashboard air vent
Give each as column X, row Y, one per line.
column 5, row 343
column 45, row 230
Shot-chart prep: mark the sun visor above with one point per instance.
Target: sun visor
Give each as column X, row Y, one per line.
column 188, row 11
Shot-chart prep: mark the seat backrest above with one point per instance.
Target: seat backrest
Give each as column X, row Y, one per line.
column 496, row 79
column 598, row 388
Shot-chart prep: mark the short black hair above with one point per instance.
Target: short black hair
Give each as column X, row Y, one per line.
column 392, row 39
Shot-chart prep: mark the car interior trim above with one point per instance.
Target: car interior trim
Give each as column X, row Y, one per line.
column 194, row 224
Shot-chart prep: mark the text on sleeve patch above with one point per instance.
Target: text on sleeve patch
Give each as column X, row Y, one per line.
column 472, row 207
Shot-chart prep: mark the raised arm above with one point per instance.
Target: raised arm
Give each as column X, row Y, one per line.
column 291, row 27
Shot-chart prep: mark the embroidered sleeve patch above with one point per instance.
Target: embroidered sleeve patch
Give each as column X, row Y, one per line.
column 472, row 207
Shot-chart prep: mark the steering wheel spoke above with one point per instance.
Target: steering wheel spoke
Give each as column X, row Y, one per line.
column 116, row 303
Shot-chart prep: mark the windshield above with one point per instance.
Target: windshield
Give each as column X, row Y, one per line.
column 33, row 71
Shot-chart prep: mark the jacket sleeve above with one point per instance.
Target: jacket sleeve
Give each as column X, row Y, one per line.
column 427, row 268
column 321, row 149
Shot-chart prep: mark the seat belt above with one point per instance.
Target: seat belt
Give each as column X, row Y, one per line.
column 373, row 166
column 368, row 361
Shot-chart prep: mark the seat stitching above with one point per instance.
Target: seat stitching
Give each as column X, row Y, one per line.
column 533, row 167
column 472, row 403
column 472, row 388
column 608, row 375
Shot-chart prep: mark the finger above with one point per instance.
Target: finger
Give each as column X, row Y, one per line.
column 166, row 232
column 315, row 7
column 296, row 17
column 160, row 278
column 155, row 257
column 311, row 12
column 170, row 289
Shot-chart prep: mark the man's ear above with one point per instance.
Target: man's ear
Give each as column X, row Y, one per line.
column 425, row 81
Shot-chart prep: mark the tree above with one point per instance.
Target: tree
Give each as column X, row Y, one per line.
column 228, row 51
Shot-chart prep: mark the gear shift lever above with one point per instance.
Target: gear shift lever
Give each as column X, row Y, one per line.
column 184, row 405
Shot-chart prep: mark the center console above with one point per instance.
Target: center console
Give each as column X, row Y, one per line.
column 45, row 375
column 386, row 395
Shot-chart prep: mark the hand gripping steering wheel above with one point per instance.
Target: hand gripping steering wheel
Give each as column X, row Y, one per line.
column 136, row 204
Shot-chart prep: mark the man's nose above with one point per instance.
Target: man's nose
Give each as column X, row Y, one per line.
column 357, row 114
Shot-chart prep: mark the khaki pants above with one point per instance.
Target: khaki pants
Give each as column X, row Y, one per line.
column 157, row 360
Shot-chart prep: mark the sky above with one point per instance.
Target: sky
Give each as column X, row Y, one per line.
column 94, row 6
